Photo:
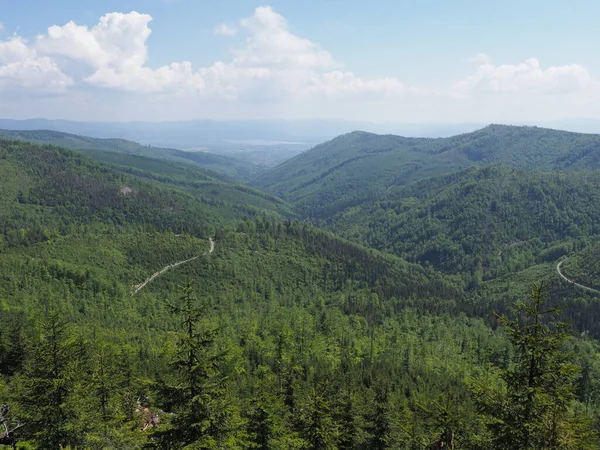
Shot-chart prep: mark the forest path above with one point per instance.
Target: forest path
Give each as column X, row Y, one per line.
column 139, row 287
column 572, row 282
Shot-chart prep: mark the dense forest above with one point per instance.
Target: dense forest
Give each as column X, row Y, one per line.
column 224, row 165
column 484, row 221
column 361, row 167
column 286, row 335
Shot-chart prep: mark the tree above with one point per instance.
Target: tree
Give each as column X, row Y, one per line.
column 268, row 416
column 380, row 419
column 319, row 427
column 533, row 410
column 47, row 384
column 204, row 417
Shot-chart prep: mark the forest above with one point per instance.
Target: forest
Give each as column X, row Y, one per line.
column 361, row 167
column 433, row 318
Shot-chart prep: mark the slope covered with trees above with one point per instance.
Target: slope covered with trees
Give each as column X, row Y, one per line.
column 359, row 166
column 583, row 267
column 44, row 189
column 482, row 221
column 286, row 336
column 225, row 165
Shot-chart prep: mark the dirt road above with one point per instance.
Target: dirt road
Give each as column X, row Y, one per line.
column 138, row 287
column 581, row 286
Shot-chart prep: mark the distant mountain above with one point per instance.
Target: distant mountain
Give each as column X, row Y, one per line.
column 225, row 135
column 225, row 165
column 360, row 166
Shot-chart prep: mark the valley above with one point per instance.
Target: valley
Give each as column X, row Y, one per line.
column 343, row 296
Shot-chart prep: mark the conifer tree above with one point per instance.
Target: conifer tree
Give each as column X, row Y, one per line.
column 203, row 416
column 268, row 416
column 319, row 428
column 47, row 384
column 534, row 410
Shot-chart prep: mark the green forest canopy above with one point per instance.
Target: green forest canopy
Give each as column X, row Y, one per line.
column 288, row 336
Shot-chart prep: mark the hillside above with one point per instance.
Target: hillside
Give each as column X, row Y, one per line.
column 361, row 166
column 583, row 267
column 481, row 222
column 202, row 183
column 292, row 335
column 120, row 222
column 47, row 186
column 225, row 165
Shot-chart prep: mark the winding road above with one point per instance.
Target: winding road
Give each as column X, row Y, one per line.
column 589, row 289
column 139, row 287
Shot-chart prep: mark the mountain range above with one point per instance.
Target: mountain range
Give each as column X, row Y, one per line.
column 359, row 166
column 344, row 298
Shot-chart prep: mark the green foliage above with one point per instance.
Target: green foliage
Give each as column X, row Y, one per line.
column 48, row 189
column 97, row 148
column 203, row 418
column 45, row 389
column 299, row 339
column 481, row 222
column 359, row 167
column 534, row 408
column 584, row 266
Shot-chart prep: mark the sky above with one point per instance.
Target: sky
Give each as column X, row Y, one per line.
column 395, row 61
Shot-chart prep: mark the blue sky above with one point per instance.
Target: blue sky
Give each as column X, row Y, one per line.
column 383, row 60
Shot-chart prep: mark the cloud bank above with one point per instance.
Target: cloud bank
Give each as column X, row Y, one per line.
column 269, row 65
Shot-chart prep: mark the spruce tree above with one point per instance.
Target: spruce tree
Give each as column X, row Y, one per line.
column 203, row 416
column 535, row 408
column 46, row 386
column 319, row 428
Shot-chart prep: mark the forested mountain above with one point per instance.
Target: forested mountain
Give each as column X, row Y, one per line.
column 361, row 166
column 231, row 167
column 153, row 304
column 482, row 221
column 46, row 186
column 193, row 179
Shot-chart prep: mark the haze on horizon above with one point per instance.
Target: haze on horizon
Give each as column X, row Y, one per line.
column 384, row 61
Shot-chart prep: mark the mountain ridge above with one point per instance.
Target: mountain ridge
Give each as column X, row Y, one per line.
column 224, row 165
column 360, row 166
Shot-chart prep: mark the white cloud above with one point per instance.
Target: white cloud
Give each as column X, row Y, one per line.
column 225, row 30
column 270, row 68
column 338, row 83
column 273, row 64
column 22, row 67
column 115, row 53
column 271, row 45
column 528, row 76
column 270, row 64
column 2, row 27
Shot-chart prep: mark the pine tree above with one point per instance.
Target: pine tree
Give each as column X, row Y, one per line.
column 319, row 427
column 204, row 418
column 45, row 388
column 12, row 344
column 268, row 416
column 380, row 417
column 535, row 409
column 443, row 419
